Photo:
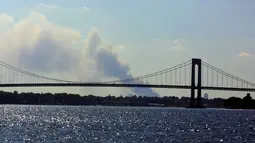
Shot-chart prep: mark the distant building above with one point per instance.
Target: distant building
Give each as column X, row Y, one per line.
column 206, row 96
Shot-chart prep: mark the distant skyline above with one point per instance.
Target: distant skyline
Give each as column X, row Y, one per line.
column 63, row 39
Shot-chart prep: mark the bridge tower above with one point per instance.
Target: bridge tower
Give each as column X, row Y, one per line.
column 194, row 85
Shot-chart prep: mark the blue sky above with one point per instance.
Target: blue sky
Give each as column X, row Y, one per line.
column 216, row 31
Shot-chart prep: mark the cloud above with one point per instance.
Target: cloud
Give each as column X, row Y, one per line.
column 117, row 49
column 177, row 45
column 44, row 51
column 5, row 19
column 43, row 5
column 174, row 45
column 58, row 10
column 38, row 45
column 244, row 54
column 76, row 17
column 86, row 9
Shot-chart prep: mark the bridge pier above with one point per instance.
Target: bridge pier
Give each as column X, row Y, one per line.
column 194, row 87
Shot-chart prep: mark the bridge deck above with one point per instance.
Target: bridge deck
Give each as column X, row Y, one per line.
column 122, row 85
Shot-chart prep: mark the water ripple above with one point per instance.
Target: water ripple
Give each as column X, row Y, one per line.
column 124, row 124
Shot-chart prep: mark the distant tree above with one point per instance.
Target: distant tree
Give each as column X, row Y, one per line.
column 15, row 92
column 74, row 99
column 247, row 97
column 233, row 102
column 247, row 101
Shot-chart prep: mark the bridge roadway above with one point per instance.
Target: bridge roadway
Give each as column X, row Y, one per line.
column 122, row 85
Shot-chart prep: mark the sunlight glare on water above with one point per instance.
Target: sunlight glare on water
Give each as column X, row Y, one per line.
column 124, row 124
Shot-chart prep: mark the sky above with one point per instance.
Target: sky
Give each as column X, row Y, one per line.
column 87, row 39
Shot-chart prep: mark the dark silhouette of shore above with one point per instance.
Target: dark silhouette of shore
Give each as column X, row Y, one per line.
column 74, row 99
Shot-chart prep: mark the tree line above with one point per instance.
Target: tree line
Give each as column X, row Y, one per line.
column 75, row 99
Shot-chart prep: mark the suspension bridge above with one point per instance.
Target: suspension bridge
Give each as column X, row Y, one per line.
column 194, row 75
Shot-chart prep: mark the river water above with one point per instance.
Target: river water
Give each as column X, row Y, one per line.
column 124, row 124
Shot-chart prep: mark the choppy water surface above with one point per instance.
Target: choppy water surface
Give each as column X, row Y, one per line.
column 124, row 124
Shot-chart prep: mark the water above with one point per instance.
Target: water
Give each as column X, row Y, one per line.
column 124, row 124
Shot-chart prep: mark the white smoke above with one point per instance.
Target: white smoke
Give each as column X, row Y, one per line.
column 38, row 45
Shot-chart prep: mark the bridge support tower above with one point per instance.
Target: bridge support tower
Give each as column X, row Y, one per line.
column 196, row 86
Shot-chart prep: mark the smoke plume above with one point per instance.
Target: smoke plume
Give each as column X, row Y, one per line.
column 38, row 45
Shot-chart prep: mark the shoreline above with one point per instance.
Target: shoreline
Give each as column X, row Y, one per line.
column 183, row 107
column 66, row 99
